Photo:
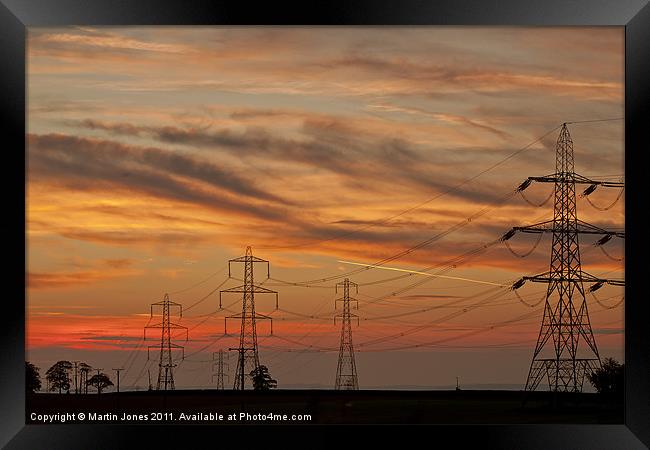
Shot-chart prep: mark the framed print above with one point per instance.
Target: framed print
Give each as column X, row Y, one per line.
column 277, row 219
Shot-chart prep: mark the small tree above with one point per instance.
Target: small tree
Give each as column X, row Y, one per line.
column 99, row 382
column 609, row 378
column 58, row 376
column 32, row 377
column 262, row 380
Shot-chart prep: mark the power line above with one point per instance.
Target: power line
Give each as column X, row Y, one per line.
column 200, row 282
column 410, row 250
column 202, row 299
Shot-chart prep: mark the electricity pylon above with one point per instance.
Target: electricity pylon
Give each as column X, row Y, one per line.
column 76, row 376
column 83, row 377
column 346, row 370
column 248, row 358
column 166, row 360
column 219, row 364
column 566, row 350
column 117, row 375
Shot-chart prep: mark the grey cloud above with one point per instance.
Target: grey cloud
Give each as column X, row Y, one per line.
column 365, row 160
column 608, row 330
column 88, row 163
column 126, row 212
column 125, row 129
column 131, row 237
column 111, row 338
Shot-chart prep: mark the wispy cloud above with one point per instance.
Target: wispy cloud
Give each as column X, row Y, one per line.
column 91, row 38
column 94, row 163
column 325, row 144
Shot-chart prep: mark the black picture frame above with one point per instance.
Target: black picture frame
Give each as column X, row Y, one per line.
column 16, row 15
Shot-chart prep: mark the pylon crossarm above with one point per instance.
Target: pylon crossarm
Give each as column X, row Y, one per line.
column 160, row 325
column 163, row 302
column 587, row 228
column 243, row 259
column 262, row 290
column 349, row 300
column 173, row 326
column 582, row 277
column 255, row 289
column 350, row 283
column 262, row 316
column 249, row 258
column 237, row 289
column 549, row 227
column 343, row 316
column 574, row 178
column 541, row 227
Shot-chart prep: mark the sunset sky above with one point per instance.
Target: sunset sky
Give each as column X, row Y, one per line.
column 155, row 154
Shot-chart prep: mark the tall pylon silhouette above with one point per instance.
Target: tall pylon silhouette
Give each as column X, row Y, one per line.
column 566, row 349
column 248, row 357
column 219, row 363
column 346, row 369
column 166, row 361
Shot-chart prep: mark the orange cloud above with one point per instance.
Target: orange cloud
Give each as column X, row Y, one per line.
column 102, row 270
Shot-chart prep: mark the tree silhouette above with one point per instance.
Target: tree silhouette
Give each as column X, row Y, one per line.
column 32, row 377
column 262, row 380
column 99, row 382
column 58, row 376
column 608, row 379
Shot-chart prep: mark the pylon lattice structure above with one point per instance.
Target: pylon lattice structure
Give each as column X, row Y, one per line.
column 76, row 376
column 566, row 349
column 219, row 363
column 248, row 357
column 166, row 347
column 83, row 377
column 346, row 369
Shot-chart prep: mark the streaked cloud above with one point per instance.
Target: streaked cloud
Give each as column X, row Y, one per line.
column 92, row 38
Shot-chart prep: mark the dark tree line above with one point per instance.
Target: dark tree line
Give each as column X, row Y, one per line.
column 608, row 379
column 61, row 376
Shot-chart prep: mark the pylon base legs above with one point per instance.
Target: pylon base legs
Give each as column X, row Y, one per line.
column 563, row 375
column 346, row 383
